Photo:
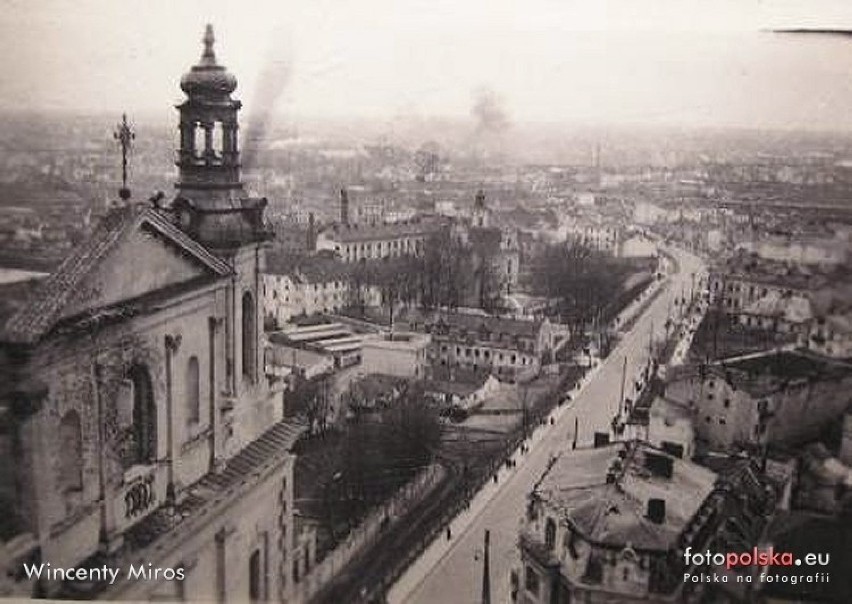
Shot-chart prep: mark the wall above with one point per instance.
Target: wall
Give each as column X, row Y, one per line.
column 401, row 359
column 728, row 418
column 366, row 533
column 216, row 558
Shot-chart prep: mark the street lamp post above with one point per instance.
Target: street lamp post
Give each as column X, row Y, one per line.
column 486, row 570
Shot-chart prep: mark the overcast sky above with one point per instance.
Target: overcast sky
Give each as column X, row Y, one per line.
column 686, row 62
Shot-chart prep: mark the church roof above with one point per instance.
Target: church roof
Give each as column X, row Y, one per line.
column 43, row 307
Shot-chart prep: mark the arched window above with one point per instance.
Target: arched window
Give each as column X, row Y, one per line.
column 197, row 140
column 249, row 333
column 550, row 533
column 255, row 591
column 218, row 140
column 193, row 392
column 142, row 438
column 70, row 453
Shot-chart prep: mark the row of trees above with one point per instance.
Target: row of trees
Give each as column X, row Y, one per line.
column 376, row 455
column 585, row 281
column 447, row 274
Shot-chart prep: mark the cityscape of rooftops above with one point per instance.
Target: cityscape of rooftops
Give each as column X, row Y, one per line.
column 426, row 302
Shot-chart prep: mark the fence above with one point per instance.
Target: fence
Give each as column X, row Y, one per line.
column 367, row 532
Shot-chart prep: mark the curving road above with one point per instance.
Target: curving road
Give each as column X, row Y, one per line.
column 450, row 572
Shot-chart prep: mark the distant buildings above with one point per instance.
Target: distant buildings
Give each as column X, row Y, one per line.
column 800, row 248
column 353, row 243
column 745, row 279
column 600, row 237
column 611, row 524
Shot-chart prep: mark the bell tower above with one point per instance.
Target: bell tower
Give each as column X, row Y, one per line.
column 208, row 158
column 210, row 204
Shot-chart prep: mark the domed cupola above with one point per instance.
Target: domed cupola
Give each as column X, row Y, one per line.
column 207, row 78
column 210, row 204
column 208, row 157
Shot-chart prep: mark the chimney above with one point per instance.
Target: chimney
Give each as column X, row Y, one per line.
column 344, row 207
column 659, row 465
column 601, row 439
column 657, row 510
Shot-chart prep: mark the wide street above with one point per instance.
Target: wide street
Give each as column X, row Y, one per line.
column 451, row 572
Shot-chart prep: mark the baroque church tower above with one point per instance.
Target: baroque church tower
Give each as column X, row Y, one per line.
column 211, row 204
column 212, row 207
column 141, row 425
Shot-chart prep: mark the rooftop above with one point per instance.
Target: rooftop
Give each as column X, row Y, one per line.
column 752, row 268
column 358, row 233
column 473, row 324
column 33, row 320
column 794, row 308
column 614, row 511
column 780, row 366
column 397, row 341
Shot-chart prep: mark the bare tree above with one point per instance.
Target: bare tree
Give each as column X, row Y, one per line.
column 310, row 398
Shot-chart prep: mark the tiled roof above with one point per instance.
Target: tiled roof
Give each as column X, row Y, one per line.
column 14, row 296
column 240, row 473
column 476, row 324
column 38, row 316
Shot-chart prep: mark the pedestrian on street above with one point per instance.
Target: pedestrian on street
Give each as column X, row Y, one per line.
column 449, row 533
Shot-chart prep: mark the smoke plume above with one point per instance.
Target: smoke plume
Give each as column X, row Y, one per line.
column 489, row 112
column 271, row 84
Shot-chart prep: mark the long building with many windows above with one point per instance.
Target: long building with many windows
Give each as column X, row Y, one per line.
column 511, row 349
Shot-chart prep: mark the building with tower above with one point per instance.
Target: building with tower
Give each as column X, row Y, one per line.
column 139, row 428
column 479, row 217
column 494, row 254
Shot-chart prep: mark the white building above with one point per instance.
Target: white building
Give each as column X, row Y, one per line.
column 316, row 286
column 397, row 354
column 355, row 242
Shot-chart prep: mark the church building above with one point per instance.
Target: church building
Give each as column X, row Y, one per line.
column 138, row 428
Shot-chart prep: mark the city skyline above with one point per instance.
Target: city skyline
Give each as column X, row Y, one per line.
column 655, row 63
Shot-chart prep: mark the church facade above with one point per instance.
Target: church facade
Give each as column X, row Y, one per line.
column 142, row 431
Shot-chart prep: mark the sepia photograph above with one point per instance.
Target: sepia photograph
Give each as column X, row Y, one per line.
column 426, row 301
